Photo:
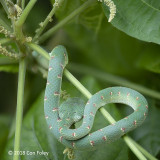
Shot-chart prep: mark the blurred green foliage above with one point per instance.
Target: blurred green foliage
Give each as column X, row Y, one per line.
column 90, row 41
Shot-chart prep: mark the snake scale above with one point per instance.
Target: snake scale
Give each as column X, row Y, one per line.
column 60, row 117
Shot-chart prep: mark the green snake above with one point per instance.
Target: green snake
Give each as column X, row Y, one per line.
column 60, row 117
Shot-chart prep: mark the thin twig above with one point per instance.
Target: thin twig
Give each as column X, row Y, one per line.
column 65, row 20
column 47, row 20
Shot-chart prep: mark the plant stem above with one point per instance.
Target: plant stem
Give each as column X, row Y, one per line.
column 107, row 116
column 25, row 13
column 23, row 4
column 65, row 20
column 134, row 148
column 47, row 20
column 86, row 93
column 4, row 40
column 106, row 77
column 147, row 154
column 38, row 49
column 77, row 84
column 19, row 112
column 19, row 2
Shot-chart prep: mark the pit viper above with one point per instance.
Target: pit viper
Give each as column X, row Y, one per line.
column 60, row 117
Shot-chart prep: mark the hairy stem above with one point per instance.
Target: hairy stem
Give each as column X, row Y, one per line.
column 19, row 112
column 65, row 21
column 87, row 94
column 106, row 77
column 47, row 20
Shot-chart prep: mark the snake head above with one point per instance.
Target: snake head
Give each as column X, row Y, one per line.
column 72, row 109
column 60, row 51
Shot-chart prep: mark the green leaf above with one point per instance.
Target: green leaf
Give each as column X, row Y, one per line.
column 109, row 152
column 138, row 19
column 148, row 134
column 150, row 59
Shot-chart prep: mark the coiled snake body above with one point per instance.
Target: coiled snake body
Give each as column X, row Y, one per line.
column 60, row 117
